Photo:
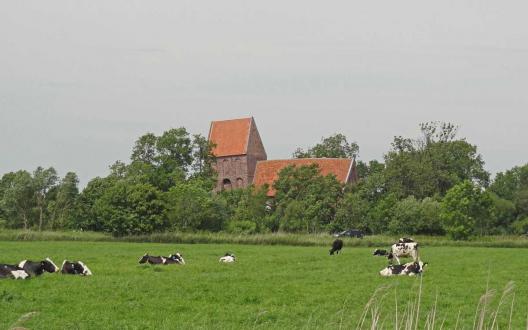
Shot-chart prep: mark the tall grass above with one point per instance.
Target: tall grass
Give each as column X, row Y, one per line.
column 486, row 316
column 258, row 239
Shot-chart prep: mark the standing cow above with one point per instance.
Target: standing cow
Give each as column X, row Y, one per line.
column 336, row 246
column 405, row 247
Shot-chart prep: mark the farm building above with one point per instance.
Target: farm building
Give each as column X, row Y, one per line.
column 267, row 172
column 241, row 159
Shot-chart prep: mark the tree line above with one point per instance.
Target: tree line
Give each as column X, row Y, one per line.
column 433, row 185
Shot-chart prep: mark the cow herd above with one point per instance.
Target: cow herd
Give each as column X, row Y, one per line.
column 27, row 268
column 404, row 248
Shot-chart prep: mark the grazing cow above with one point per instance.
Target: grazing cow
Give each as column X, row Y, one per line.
column 38, row 268
column 75, row 268
column 410, row 269
column 336, row 246
column 403, row 249
column 176, row 258
column 228, row 258
column 380, row 253
column 12, row 271
column 152, row 260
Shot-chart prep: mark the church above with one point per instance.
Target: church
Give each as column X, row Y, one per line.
column 241, row 158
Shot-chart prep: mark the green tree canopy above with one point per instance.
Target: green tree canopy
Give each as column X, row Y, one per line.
column 335, row 146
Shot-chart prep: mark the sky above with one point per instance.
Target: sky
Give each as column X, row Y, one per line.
column 80, row 81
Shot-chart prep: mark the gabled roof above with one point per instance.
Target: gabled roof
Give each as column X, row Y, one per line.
column 267, row 172
column 230, row 136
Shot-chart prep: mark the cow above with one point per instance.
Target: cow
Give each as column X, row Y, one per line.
column 337, row 245
column 12, row 271
column 75, row 268
column 152, row 260
column 404, row 248
column 227, row 258
column 38, row 268
column 176, row 258
column 409, row 269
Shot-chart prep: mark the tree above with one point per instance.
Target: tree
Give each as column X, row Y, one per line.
column 429, row 167
column 131, row 209
column 465, row 210
column 174, row 150
column 18, row 199
column 43, row 181
column 412, row 217
column 352, row 212
column 63, row 205
column 145, row 149
column 190, row 207
column 335, row 146
column 85, row 216
column 250, row 211
column 305, row 200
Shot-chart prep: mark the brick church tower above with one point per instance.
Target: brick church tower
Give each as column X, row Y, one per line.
column 238, row 148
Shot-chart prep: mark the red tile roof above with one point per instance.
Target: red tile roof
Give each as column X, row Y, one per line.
column 267, row 172
column 230, row 136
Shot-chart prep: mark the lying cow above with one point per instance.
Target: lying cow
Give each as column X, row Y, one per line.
column 228, row 258
column 75, row 268
column 12, row 271
column 152, row 259
column 37, row 268
column 176, row 258
column 337, row 245
column 409, row 269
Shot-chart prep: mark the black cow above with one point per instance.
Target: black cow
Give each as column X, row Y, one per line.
column 336, row 246
column 12, row 271
column 38, row 268
column 75, row 268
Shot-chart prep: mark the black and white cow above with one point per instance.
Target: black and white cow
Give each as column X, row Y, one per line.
column 337, row 245
column 37, row 268
column 409, row 269
column 12, row 271
column 176, row 258
column 228, row 258
column 75, row 268
column 158, row 260
column 405, row 247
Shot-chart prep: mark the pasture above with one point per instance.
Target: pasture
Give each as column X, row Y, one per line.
column 273, row 287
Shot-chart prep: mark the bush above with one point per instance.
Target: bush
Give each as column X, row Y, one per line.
column 242, row 227
column 520, row 226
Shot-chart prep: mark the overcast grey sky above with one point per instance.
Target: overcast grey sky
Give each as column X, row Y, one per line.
column 81, row 80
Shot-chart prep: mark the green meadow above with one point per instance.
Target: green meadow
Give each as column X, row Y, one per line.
column 269, row 287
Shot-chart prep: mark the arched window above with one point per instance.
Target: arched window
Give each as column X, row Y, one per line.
column 226, row 184
column 240, row 182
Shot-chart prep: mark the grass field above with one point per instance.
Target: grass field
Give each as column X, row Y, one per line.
column 274, row 287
